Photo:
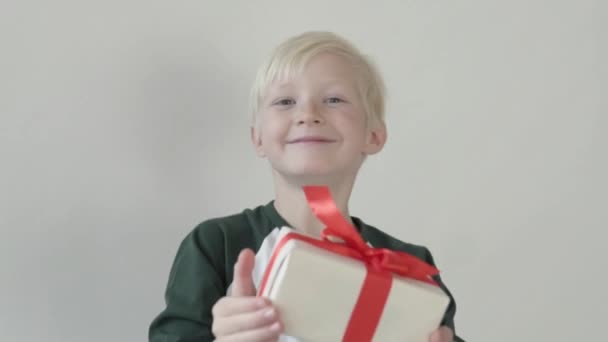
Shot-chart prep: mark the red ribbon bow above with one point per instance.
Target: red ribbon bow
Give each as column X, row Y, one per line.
column 380, row 260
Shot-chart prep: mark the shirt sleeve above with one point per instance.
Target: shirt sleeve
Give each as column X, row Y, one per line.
column 196, row 281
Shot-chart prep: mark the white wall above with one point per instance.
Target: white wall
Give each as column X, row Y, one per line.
column 118, row 120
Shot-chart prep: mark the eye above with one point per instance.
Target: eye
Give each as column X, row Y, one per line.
column 284, row 102
column 334, row 100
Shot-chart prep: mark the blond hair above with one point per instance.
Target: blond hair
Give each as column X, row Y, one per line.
column 293, row 54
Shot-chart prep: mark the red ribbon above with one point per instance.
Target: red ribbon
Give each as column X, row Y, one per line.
column 380, row 263
column 380, row 259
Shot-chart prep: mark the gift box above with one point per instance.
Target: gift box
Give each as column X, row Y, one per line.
column 338, row 288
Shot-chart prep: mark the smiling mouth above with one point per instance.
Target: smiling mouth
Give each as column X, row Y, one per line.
column 310, row 140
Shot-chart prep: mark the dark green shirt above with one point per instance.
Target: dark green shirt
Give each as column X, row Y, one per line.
column 202, row 270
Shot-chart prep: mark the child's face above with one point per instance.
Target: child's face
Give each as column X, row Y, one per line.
column 314, row 124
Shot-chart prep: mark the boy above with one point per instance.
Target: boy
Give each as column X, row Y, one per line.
column 318, row 112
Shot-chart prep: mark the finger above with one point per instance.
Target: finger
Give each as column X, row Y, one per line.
column 443, row 334
column 263, row 334
column 228, row 306
column 246, row 322
column 242, row 284
column 435, row 336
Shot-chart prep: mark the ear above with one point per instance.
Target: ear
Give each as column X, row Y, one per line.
column 256, row 141
column 376, row 138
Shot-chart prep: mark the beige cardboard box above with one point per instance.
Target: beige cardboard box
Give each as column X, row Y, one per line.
column 315, row 291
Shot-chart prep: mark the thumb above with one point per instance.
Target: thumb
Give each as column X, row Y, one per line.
column 242, row 284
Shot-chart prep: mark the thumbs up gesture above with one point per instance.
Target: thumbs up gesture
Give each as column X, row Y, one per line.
column 241, row 316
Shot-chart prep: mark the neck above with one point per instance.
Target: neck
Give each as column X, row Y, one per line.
column 291, row 203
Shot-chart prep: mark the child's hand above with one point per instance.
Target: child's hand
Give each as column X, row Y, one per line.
column 443, row 334
column 242, row 316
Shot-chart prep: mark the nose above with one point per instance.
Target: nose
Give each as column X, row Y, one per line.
column 308, row 114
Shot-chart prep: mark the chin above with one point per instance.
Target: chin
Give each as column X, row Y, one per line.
column 311, row 169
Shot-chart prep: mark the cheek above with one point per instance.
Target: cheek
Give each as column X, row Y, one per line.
column 273, row 131
column 353, row 123
column 276, row 130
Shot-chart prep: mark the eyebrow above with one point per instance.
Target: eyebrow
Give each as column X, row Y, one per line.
column 284, row 85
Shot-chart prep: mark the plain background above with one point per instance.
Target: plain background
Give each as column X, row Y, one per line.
column 123, row 125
